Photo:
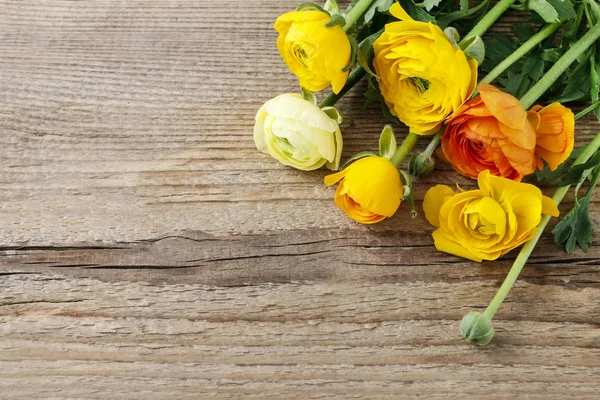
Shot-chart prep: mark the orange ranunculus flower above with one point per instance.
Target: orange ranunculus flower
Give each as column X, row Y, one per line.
column 491, row 132
column 370, row 189
column 555, row 130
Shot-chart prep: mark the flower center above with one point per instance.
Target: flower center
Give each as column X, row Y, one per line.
column 302, row 57
column 421, row 84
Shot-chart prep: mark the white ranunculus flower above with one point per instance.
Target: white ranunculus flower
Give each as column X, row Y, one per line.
column 298, row 133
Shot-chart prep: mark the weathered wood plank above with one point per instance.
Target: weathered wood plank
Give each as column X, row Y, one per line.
column 147, row 250
column 81, row 337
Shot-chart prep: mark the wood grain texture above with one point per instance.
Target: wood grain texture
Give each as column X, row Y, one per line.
column 148, row 250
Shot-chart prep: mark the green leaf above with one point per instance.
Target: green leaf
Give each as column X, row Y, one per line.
column 387, row 143
column 377, row 6
column 365, row 53
column 575, row 228
column 546, row 175
column 512, row 82
column 584, row 177
column 534, row 67
column 308, row 95
column 595, row 81
column 523, row 31
column 358, row 156
column 544, row 9
column 564, row 8
column 498, row 48
column 429, row 4
column 578, row 83
column 551, row 55
column 576, row 172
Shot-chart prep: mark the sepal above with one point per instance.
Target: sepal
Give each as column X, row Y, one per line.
column 312, row 6
column 387, row 143
column 336, row 20
column 308, row 95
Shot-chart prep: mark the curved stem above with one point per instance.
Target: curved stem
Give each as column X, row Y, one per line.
column 520, row 52
column 355, row 76
column 587, row 110
column 561, row 66
column 355, row 13
column 405, row 148
column 489, row 19
column 525, row 252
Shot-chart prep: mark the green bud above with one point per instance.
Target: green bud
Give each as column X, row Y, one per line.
column 453, row 36
column 420, row 165
column 477, row 328
column 474, row 48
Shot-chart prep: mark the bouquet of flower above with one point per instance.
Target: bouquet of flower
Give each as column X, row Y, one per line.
column 424, row 63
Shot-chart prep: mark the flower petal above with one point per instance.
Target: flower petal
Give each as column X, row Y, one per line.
column 434, row 200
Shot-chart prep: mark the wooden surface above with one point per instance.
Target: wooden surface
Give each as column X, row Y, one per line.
column 149, row 251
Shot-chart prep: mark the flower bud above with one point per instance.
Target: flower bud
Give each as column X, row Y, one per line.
column 420, row 165
column 477, row 328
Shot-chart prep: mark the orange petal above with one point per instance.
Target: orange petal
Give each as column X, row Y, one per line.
column 506, row 108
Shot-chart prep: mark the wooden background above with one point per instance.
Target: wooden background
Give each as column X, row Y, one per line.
column 149, row 251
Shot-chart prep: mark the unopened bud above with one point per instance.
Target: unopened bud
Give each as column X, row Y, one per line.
column 477, row 328
column 420, row 165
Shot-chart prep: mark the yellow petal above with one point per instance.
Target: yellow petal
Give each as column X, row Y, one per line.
column 549, row 207
column 374, row 183
column 397, row 11
column 332, row 179
column 433, row 201
column 445, row 244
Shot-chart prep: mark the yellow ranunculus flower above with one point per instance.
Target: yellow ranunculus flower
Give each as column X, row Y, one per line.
column 314, row 53
column 423, row 77
column 298, row 133
column 487, row 223
column 370, row 189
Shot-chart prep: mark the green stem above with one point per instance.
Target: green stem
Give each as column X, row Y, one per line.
column 355, row 76
column 525, row 252
column 520, row 52
column 587, row 110
column 356, row 12
column 435, row 140
column 405, row 148
column 561, row 66
column 489, row 19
